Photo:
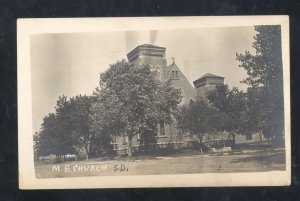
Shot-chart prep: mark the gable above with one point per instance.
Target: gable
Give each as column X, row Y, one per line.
column 180, row 82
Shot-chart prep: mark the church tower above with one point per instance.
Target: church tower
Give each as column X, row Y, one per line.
column 151, row 55
column 207, row 83
column 156, row 57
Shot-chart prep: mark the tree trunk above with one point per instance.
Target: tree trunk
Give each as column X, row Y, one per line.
column 129, row 147
column 87, row 152
column 233, row 137
column 260, row 136
column 200, row 142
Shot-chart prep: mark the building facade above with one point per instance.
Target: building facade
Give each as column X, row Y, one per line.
column 167, row 134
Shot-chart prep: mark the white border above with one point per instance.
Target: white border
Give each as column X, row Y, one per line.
column 27, row 179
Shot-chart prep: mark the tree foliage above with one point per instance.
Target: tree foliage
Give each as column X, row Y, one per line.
column 53, row 137
column 265, row 80
column 132, row 100
column 232, row 110
column 67, row 130
column 200, row 120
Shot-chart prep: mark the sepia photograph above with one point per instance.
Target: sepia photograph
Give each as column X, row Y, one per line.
column 153, row 102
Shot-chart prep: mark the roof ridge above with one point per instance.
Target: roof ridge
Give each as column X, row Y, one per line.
column 170, row 66
column 208, row 75
column 150, row 45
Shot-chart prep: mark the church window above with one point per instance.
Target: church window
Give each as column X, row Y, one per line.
column 158, row 130
column 162, row 129
column 175, row 75
column 249, row 137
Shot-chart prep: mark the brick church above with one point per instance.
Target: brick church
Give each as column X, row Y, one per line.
column 167, row 134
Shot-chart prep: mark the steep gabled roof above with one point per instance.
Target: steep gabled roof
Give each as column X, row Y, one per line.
column 169, row 67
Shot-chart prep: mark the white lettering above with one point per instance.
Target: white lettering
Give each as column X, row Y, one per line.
column 56, row 168
column 75, row 168
column 67, row 168
column 104, row 168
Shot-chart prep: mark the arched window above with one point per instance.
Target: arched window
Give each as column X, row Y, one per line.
column 183, row 97
column 158, row 70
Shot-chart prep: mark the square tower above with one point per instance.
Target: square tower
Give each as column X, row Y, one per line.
column 149, row 55
column 207, row 83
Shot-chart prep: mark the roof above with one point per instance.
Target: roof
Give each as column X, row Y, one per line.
column 210, row 75
column 151, row 46
column 207, row 75
column 133, row 52
column 169, row 67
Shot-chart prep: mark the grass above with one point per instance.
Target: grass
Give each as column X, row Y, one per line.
column 183, row 163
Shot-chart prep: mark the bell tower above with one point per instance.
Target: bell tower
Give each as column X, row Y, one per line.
column 151, row 55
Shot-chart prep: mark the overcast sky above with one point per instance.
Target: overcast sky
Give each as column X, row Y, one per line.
column 70, row 63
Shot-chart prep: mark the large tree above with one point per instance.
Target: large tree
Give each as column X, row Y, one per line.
column 78, row 117
column 131, row 100
column 67, row 130
column 73, row 115
column 265, row 80
column 232, row 108
column 200, row 120
column 53, row 138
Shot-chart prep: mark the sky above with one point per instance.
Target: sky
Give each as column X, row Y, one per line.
column 71, row 63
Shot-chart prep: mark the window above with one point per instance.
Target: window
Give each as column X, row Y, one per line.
column 175, row 75
column 158, row 130
column 124, row 139
column 249, row 137
column 161, row 129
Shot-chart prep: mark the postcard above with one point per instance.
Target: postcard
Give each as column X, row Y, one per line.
column 154, row 102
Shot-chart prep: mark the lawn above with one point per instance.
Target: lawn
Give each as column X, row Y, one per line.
column 259, row 161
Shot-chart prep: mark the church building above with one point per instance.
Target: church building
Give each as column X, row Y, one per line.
column 167, row 134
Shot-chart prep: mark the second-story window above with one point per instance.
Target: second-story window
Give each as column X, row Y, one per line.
column 175, row 75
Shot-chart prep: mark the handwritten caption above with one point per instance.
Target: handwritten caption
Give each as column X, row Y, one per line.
column 89, row 168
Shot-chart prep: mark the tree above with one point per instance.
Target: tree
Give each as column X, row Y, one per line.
column 74, row 121
column 42, row 139
column 265, row 79
column 79, row 122
column 131, row 100
column 36, row 145
column 53, row 138
column 198, row 119
column 67, row 130
column 232, row 108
